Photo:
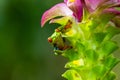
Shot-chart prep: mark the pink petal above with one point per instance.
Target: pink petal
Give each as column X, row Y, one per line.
column 116, row 3
column 113, row 11
column 60, row 9
column 94, row 4
column 77, row 8
column 115, row 0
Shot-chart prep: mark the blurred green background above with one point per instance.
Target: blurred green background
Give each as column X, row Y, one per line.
column 25, row 53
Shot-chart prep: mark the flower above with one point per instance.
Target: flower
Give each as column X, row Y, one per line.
column 103, row 6
column 75, row 9
column 92, row 5
column 71, row 8
column 105, row 9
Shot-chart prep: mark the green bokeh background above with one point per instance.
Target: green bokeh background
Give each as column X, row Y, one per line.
column 25, row 53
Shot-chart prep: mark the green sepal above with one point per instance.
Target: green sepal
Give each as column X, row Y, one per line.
column 106, row 48
column 75, row 63
column 61, row 21
column 91, row 57
column 99, row 37
column 110, row 76
column 101, row 20
column 111, row 32
column 71, row 54
column 97, row 72
column 110, row 62
column 85, row 14
column 104, row 18
column 80, row 47
column 72, row 75
column 93, row 23
column 117, row 8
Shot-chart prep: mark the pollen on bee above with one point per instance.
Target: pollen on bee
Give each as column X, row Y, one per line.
column 49, row 40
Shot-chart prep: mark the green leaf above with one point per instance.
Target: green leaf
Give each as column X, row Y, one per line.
column 72, row 75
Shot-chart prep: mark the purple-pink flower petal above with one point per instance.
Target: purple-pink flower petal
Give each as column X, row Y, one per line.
column 115, row 0
column 93, row 4
column 60, row 9
column 65, row 1
column 113, row 11
column 77, row 8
